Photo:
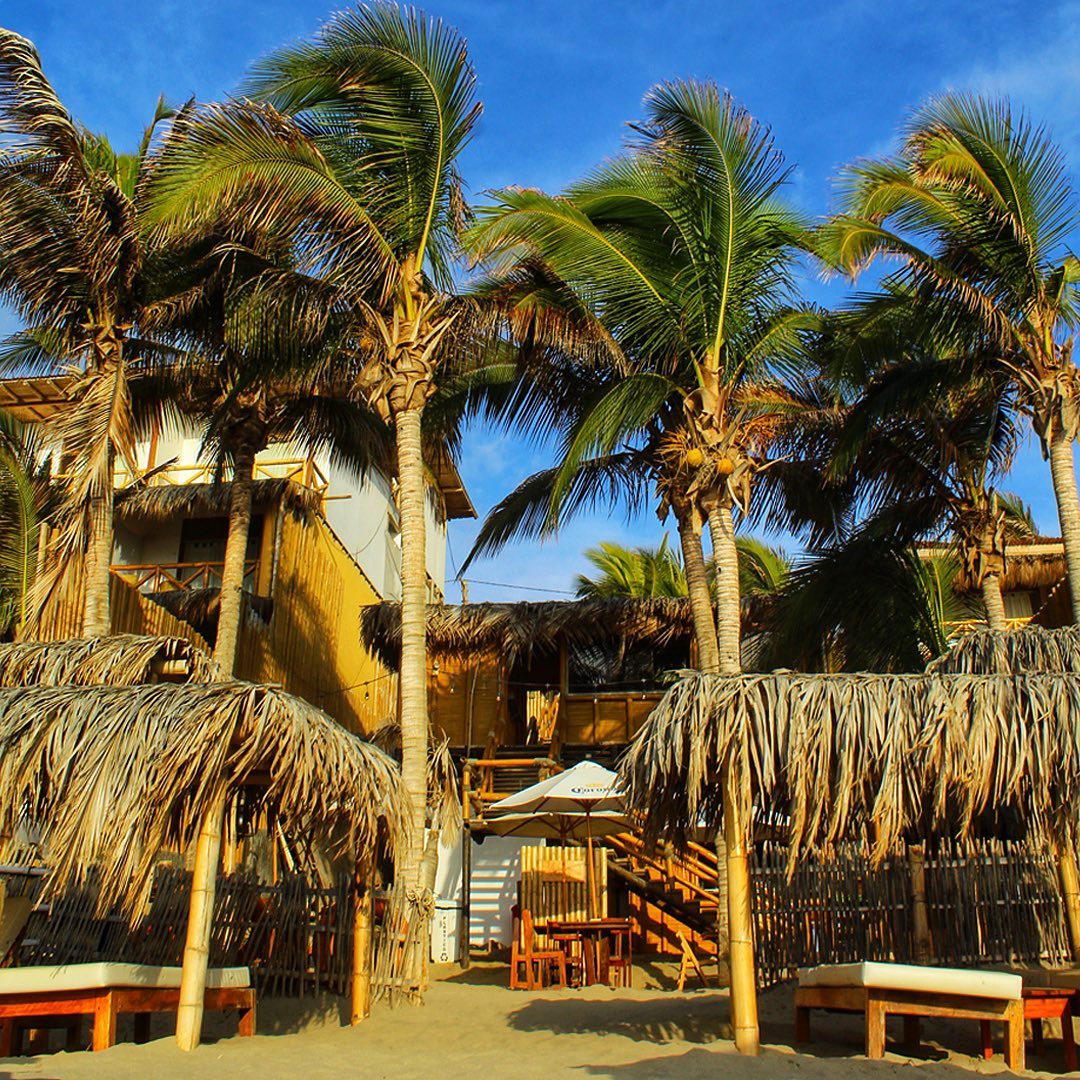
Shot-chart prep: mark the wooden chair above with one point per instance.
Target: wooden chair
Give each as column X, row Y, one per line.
column 538, row 964
column 621, row 958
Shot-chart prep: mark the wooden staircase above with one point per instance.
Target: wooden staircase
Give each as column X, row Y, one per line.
column 669, row 894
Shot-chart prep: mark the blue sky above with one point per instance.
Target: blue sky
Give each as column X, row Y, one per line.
column 561, row 78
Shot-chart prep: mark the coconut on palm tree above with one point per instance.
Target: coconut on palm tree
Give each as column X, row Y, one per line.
column 976, row 211
column 350, row 143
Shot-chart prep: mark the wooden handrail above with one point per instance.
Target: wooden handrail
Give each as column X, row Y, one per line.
column 171, row 577
column 669, row 869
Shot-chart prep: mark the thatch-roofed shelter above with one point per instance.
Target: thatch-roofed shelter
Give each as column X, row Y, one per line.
column 168, row 502
column 112, row 775
column 519, row 629
column 120, row 660
column 1031, row 648
column 835, row 754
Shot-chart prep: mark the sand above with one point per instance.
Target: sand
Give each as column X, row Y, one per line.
column 472, row 1026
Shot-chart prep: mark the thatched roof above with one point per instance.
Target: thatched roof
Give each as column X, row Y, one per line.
column 113, row 775
column 835, row 753
column 166, row 502
column 1029, row 564
column 120, row 660
column 1013, row 652
column 520, row 629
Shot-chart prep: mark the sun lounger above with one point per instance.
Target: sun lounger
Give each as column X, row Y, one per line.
column 59, row 996
column 879, row 990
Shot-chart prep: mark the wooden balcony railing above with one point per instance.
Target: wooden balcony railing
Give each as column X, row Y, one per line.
column 302, row 471
column 181, row 577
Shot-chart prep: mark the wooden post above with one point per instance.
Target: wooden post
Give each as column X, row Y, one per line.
column 920, row 920
column 200, row 921
column 1070, row 896
column 466, row 894
column 743, row 989
column 363, row 901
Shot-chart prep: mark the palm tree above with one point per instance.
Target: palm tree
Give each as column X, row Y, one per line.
column 248, row 376
column 977, row 209
column 867, row 603
column 75, row 268
column 633, row 572
column 679, row 255
column 930, row 469
column 350, row 143
column 23, row 496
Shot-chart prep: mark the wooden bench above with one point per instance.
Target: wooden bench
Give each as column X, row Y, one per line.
column 44, row 997
column 879, row 990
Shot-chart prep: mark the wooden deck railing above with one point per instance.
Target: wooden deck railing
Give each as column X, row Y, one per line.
column 302, row 471
column 181, row 576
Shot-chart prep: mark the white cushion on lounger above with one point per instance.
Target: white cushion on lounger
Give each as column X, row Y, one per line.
column 930, row 980
column 38, row 980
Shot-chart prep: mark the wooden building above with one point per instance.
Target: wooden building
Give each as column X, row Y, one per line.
column 554, row 675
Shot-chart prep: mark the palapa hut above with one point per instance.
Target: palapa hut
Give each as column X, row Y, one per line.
column 111, row 775
column 550, row 674
column 833, row 754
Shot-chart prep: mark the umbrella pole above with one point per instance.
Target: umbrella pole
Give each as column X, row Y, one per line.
column 189, row 1014
column 590, row 869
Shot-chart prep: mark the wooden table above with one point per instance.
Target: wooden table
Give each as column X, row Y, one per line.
column 1044, row 1003
column 595, row 937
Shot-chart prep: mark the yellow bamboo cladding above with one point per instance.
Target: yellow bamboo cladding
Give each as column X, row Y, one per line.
column 1070, row 895
column 555, row 882
column 362, row 943
column 200, row 920
column 311, row 645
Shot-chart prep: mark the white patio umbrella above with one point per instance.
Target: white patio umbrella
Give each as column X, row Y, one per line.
column 583, row 800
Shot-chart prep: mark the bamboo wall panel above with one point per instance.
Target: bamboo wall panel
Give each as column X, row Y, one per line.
column 553, row 882
column 131, row 613
column 991, row 902
column 311, row 645
column 605, row 718
column 461, row 688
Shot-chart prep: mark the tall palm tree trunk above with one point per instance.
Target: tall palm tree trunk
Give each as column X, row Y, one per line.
column 231, row 604
column 740, row 923
column 728, row 601
column 1063, row 474
column 413, row 678
column 96, row 614
column 697, row 584
column 993, row 602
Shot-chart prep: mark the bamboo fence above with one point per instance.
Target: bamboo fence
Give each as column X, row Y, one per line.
column 296, row 937
column 988, row 902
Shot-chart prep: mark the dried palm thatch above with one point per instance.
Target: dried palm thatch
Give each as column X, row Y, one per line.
column 1013, row 652
column 168, row 502
column 834, row 754
column 111, row 776
column 519, row 630
column 120, row 660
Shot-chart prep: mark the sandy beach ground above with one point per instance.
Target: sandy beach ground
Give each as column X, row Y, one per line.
column 472, row 1026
